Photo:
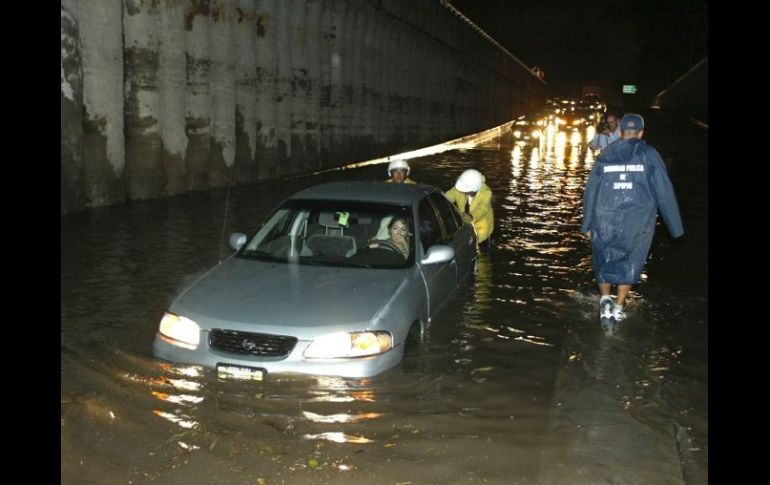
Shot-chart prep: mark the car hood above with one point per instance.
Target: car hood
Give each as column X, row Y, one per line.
column 263, row 296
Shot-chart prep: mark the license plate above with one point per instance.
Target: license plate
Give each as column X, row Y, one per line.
column 227, row 371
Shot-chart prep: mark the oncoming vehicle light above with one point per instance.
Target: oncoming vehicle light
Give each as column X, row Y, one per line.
column 353, row 344
column 180, row 331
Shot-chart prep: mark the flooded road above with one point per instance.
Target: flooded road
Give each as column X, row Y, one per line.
column 516, row 382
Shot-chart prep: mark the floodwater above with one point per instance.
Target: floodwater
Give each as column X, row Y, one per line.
column 516, row 382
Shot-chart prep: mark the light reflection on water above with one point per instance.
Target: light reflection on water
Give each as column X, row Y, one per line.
column 340, row 418
column 179, row 419
column 338, row 437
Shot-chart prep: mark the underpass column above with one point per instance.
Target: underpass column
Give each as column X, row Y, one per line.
column 144, row 169
column 103, row 136
column 245, row 91
column 72, row 186
column 267, row 90
column 222, row 137
column 172, row 82
column 197, row 94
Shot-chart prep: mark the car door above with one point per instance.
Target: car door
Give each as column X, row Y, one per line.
column 440, row 278
column 460, row 237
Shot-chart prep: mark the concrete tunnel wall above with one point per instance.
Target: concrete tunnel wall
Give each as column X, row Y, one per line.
column 688, row 95
column 160, row 97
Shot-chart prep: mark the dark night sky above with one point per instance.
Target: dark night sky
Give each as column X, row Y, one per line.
column 601, row 42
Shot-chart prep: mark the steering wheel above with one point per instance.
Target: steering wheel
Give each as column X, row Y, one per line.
column 389, row 245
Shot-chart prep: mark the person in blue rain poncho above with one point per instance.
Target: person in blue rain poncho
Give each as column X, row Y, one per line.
column 627, row 187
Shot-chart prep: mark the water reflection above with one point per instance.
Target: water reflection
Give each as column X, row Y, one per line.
column 533, row 339
column 482, row 289
column 185, row 399
column 516, row 156
column 187, row 402
column 589, row 160
column 574, row 157
column 181, row 384
column 180, row 419
column 337, row 389
column 340, row 418
column 338, row 437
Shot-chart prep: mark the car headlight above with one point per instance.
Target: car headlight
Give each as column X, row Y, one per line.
column 352, row 344
column 180, row 330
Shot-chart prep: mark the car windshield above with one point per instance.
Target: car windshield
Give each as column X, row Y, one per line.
column 335, row 233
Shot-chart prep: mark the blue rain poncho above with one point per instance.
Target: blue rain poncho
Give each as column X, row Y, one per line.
column 627, row 187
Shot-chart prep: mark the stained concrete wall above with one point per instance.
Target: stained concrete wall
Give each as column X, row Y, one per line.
column 93, row 142
column 159, row 97
column 72, row 170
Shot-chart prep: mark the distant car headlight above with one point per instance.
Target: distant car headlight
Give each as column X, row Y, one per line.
column 353, row 344
column 180, row 330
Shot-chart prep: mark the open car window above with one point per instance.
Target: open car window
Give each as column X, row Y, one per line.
column 335, row 233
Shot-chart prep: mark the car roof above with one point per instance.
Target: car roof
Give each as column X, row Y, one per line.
column 381, row 192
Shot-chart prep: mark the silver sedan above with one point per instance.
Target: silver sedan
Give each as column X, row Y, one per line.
column 338, row 281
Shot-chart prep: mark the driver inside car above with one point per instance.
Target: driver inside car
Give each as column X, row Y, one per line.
column 398, row 237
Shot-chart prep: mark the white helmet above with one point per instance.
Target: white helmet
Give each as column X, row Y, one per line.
column 398, row 164
column 469, row 181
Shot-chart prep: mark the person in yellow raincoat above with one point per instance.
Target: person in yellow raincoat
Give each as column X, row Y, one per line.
column 398, row 170
column 474, row 200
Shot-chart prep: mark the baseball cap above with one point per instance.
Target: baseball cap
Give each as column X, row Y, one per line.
column 632, row 121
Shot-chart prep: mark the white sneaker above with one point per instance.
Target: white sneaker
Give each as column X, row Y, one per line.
column 618, row 313
column 606, row 307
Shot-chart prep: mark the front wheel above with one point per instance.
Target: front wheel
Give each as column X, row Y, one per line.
column 413, row 340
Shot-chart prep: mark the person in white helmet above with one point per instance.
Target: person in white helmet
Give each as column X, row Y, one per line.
column 399, row 172
column 474, row 199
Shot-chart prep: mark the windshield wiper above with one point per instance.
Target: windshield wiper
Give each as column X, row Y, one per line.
column 258, row 254
column 350, row 265
column 317, row 262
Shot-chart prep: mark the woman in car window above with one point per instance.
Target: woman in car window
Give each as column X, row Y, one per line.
column 398, row 237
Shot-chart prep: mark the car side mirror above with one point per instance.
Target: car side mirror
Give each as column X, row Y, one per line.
column 439, row 253
column 237, row 240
